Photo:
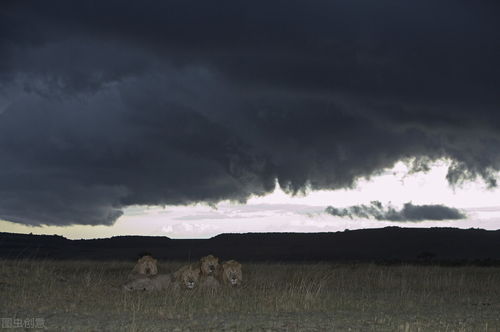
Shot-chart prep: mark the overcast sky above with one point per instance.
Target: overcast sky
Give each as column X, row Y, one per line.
column 107, row 107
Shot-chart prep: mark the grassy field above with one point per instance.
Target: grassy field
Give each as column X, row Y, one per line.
column 87, row 296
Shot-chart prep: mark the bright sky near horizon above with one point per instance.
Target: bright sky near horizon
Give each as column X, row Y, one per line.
column 279, row 212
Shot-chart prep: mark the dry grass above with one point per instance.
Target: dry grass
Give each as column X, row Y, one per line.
column 85, row 295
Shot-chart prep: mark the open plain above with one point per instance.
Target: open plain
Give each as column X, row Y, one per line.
column 87, row 296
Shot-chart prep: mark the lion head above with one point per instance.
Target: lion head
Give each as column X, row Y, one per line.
column 209, row 265
column 231, row 273
column 188, row 277
column 146, row 265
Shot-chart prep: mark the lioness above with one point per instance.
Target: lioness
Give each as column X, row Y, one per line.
column 146, row 266
column 230, row 273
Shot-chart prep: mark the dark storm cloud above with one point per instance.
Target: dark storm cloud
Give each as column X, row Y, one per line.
column 109, row 104
column 409, row 212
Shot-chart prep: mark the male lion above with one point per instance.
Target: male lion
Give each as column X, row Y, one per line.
column 231, row 273
column 186, row 277
column 206, row 270
column 146, row 266
column 209, row 268
column 209, row 265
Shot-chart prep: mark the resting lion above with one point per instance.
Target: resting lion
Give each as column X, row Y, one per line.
column 230, row 273
column 146, row 266
column 207, row 269
column 209, row 265
column 187, row 277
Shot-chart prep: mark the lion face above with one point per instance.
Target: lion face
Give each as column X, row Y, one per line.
column 231, row 273
column 146, row 265
column 209, row 265
column 190, row 277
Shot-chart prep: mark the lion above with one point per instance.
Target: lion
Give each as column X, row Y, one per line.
column 209, row 268
column 230, row 273
column 206, row 270
column 146, row 266
column 150, row 283
column 187, row 277
column 209, row 265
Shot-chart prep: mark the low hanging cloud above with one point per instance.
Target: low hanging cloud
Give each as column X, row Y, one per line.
column 408, row 212
column 194, row 102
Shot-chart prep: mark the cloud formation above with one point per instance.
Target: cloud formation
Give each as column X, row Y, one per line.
column 408, row 212
column 109, row 104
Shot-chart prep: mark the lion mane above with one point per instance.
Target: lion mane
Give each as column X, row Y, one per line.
column 230, row 273
column 146, row 265
column 204, row 273
column 187, row 277
column 209, row 265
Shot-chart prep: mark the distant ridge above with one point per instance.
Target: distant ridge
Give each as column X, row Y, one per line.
column 390, row 244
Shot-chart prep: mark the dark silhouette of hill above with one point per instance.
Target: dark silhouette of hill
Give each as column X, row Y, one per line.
column 390, row 244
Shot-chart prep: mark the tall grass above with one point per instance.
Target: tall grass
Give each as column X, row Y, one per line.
column 83, row 295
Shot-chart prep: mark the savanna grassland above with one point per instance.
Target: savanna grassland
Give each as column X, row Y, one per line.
column 87, row 296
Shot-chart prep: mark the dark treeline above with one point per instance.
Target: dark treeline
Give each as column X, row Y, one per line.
column 389, row 245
